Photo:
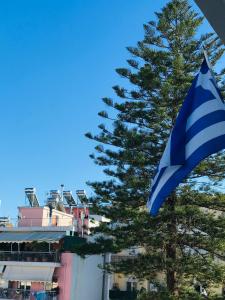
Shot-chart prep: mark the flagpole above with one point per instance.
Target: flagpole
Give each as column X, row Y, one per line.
column 208, row 62
column 206, row 57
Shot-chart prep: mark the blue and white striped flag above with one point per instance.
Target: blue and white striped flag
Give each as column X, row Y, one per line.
column 199, row 131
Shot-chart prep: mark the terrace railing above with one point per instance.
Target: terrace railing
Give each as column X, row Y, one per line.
column 25, row 294
column 29, row 256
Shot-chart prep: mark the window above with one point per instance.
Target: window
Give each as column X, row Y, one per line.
column 153, row 287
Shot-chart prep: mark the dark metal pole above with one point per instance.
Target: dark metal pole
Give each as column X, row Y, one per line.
column 103, row 277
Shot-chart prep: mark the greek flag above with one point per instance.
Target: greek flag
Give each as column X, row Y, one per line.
column 199, row 131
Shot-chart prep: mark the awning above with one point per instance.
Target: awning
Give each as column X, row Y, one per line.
column 214, row 10
column 19, row 237
column 22, row 273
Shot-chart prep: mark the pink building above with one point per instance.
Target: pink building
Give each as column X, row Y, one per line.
column 40, row 216
column 36, row 260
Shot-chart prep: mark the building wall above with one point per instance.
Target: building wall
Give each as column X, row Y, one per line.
column 121, row 281
column 65, row 275
column 78, row 278
column 58, row 218
column 30, row 216
column 77, row 213
column 87, row 278
column 39, row 216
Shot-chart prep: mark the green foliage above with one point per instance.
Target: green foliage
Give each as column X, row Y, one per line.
column 73, row 244
column 38, row 246
column 183, row 241
column 81, row 247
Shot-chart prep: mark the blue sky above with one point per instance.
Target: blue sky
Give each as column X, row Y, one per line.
column 57, row 61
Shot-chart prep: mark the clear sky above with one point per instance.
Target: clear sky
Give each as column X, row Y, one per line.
column 57, row 60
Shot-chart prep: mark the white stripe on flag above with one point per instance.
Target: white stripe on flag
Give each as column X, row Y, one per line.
column 203, row 110
column 204, row 80
column 204, row 136
column 165, row 160
column 165, row 177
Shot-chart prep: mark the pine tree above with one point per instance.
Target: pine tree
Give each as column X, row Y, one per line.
column 184, row 239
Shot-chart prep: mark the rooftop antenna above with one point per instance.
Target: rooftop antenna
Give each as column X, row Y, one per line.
column 60, row 205
column 62, row 188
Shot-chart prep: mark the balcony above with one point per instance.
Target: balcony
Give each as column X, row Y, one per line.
column 29, row 256
column 25, row 294
column 122, row 295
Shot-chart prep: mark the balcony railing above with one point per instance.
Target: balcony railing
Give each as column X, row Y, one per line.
column 29, row 256
column 122, row 295
column 25, row 294
column 120, row 258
